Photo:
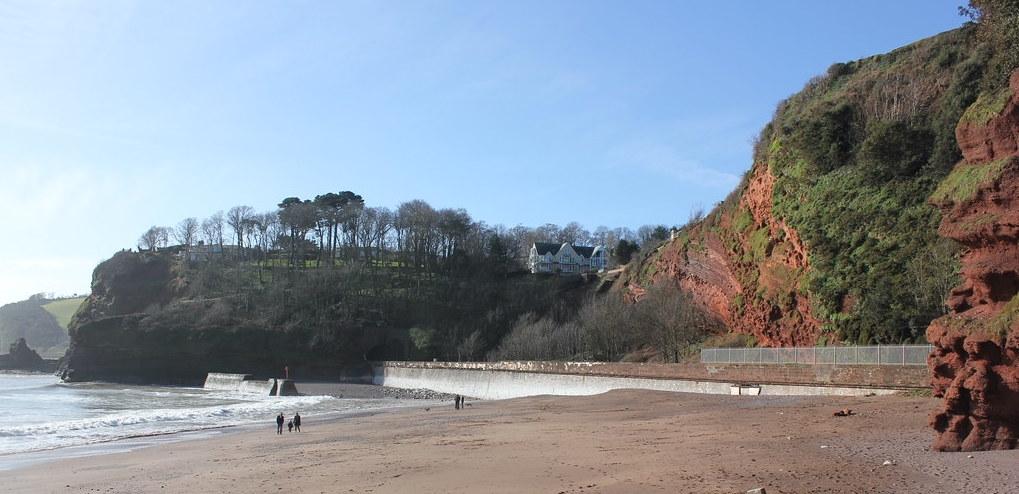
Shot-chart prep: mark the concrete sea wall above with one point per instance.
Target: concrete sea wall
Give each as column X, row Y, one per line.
column 501, row 380
column 225, row 382
column 246, row 383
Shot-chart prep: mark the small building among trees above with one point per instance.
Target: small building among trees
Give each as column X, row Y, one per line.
column 566, row 258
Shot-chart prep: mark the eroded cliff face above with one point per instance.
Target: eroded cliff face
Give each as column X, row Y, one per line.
column 830, row 237
column 743, row 265
column 137, row 326
column 975, row 364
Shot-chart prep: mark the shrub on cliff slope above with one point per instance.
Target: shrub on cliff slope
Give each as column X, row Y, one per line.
column 858, row 197
column 998, row 22
column 665, row 325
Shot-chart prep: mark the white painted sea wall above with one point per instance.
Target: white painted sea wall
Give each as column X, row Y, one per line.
column 498, row 384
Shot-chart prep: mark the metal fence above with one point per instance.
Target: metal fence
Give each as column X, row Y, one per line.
column 821, row 355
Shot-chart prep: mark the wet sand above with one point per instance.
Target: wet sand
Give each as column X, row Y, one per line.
column 619, row 442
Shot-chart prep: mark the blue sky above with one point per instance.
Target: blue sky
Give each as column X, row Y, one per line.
column 118, row 115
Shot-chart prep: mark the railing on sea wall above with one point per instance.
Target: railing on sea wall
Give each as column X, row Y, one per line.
column 821, row 355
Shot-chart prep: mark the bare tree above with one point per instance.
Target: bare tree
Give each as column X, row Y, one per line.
column 375, row 225
column 603, row 235
column 673, row 321
column 522, row 238
column 153, row 238
column 534, row 338
column 933, row 273
column 238, row 218
column 624, row 233
column 574, row 233
column 470, row 348
column 186, row 232
column 212, row 229
column 260, row 227
column 453, row 228
column 609, row 328
column 549, row 232
column 647, row 234
column 416, row 232
column 273, row 230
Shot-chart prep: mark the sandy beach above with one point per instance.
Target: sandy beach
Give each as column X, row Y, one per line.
column 623, row 441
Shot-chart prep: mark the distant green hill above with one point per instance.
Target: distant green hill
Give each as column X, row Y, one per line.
column 63, row 309
column 40, row 321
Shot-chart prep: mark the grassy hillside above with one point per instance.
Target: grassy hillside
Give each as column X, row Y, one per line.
column 29, row 320
column 63, row 309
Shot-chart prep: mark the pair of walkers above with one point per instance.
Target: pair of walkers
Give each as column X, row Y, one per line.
column 294, row 423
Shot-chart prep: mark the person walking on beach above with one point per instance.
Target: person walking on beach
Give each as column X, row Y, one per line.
column 290, row 425
column 456, row 402
column 279, row 423
column 297, row 421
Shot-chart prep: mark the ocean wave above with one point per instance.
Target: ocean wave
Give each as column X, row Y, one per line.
column 22, row 382
column 166, row 415
column 133, row 423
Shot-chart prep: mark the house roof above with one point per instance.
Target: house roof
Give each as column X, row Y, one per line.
column 550, row 248
column 546, row 248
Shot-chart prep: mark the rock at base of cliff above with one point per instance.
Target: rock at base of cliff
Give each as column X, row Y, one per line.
column 978, row 376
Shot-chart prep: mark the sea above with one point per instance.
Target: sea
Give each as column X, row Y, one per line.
column 42, row 417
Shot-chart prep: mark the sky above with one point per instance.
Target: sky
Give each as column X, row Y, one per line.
column 119, row 115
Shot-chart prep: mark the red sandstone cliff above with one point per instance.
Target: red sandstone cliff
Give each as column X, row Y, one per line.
column 975, row 364
column 743, row 265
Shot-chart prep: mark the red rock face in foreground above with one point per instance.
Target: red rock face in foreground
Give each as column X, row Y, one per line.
column 975, row 363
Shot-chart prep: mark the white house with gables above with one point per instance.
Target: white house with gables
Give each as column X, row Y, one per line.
column 566, row 258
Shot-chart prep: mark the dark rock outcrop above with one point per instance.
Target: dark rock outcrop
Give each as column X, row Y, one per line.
column 23, row 358
column 975, row 364
column 137, row 327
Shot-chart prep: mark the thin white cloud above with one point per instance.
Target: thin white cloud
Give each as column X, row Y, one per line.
column 694, row 151
column 667, row 161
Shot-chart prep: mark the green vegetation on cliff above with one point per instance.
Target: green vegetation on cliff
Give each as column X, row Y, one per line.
column 965, row 180
column 987, row 106
column 855, row 156
column 857, row 153
column 849, row 164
